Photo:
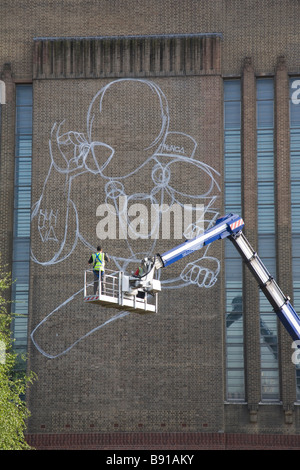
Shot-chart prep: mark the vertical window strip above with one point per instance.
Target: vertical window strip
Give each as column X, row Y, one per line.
column 22, row 208
column 235, row 374
column 266, row 234
column 295, row 198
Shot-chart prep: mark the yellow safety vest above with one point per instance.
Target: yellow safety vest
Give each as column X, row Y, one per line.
column 98, row 261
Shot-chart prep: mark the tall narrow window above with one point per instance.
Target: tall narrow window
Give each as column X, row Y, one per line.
column 22, row 204
column 295, row 197
column 266, row 235
column 235, row 382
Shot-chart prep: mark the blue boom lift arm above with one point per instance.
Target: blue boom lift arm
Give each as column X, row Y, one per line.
column 132, row 291
column 230, row 227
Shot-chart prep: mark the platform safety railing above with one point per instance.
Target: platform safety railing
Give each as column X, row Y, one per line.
column 109, row 284
column 108, row 291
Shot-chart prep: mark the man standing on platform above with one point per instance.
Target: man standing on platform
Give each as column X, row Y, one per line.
column 98, row 261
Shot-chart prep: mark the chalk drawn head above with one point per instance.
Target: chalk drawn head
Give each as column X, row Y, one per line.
column 131, row 117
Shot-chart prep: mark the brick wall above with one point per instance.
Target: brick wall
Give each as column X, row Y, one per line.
column 143, row 374
column 163, row 441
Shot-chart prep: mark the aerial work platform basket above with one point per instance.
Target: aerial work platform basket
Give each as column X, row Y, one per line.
column 113, row 291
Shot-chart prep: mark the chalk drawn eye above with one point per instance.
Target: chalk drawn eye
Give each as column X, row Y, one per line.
column 114, row 189
column 161, row 175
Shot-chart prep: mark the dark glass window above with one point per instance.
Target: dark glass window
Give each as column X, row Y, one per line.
column 295, row 197
column 266, row 234
column 235, row 374
column 22, row 209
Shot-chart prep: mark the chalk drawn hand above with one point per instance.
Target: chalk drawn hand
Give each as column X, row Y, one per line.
column 68, row 150
column 72, row 154
column 54, row 216
column 203, row 272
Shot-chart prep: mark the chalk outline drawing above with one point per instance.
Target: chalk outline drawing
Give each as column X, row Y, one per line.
column 83, row 160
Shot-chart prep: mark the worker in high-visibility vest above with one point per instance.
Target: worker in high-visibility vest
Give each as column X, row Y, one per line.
column 98, row 261
column 140, row 271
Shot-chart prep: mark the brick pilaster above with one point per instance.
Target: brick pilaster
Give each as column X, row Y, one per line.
column 283, row 222
column 249, row 205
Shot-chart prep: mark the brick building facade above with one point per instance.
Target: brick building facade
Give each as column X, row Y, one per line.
column 168, row 102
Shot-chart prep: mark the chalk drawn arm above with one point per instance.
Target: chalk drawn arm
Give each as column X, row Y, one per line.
column 54, row 219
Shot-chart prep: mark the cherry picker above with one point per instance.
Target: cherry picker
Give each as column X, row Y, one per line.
column 139, row 293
